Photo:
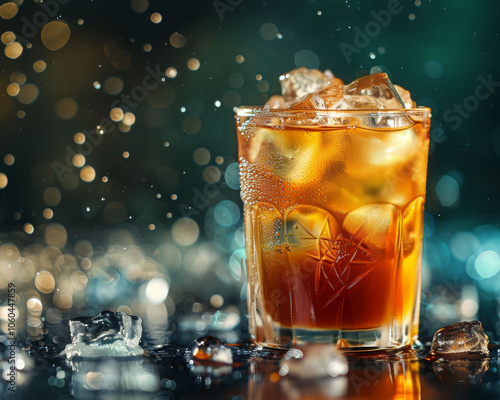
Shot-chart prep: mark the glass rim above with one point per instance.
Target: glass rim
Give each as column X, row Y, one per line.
column 250, row 111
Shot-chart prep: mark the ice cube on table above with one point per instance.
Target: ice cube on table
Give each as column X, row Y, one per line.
column 313, row 361
column 109, row 334
column 464, row 337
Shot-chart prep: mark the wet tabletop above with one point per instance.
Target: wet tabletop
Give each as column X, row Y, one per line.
column 165, row 372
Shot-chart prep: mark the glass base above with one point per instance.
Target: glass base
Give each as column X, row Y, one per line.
column 366, row 341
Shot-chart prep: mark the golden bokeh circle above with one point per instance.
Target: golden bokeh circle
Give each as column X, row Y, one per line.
column 52, row 196
column 66, row 108
column 193, row 64
column 13, row 89
column 27, row 94
column 3, row 180
column 156, row 18
column 87, row 173
column 79, row 138
column 177, row 40
column 45, row 282
column 116, row 114
column 13, row 50
column 128, row 119
column 78, row 160
column 55, row 35
column 8, row 10
column 8, row 37
column 39, row 66
column 9, row 159
column 139, row 6
column 48, row 213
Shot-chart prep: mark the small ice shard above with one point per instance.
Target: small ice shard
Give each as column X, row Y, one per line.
column 211, row 349
column 314, row 361
column 464, row 337
column 108, row 334
column 302, row 81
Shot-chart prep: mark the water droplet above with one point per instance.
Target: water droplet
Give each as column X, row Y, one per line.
column 211, row 348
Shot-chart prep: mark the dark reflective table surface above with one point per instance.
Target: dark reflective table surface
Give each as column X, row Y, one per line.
column 165, row 373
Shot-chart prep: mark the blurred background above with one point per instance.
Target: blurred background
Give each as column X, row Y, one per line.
column 118, row 159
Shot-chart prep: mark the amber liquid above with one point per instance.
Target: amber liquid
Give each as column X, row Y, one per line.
column 333, row 224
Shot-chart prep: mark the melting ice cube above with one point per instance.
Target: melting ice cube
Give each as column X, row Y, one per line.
column 314, row 361
column 108, row 334
column 465, row 337
column 211, row 349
